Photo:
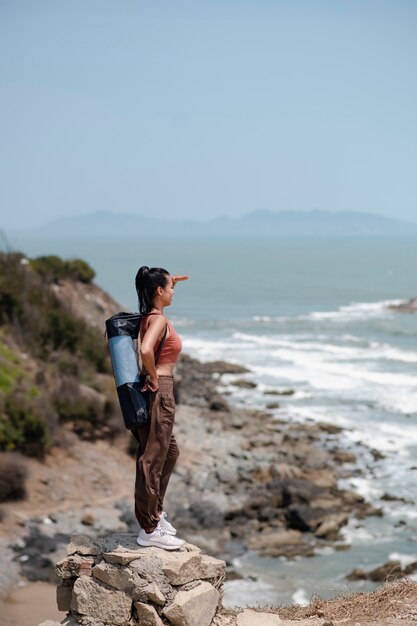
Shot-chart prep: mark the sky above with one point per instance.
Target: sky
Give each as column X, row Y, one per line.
column 206, row 108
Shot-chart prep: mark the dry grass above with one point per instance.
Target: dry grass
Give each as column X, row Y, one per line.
column 391, row 600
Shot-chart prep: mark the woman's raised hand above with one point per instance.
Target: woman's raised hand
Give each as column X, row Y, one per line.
column 176, row 279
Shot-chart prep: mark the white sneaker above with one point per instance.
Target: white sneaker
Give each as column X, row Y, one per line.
column 165, row 525
column 160, row 539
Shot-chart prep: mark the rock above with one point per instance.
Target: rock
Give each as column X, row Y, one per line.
column 303, row 517
column 266, row 539
column 389, row 571
column 82, row 544
column 298, row 490
column 222, row 367
column 50, row 622
column 74, row 565
column 117, row 577
column 147, row 615
column 121, row 557
column 88, row 519
column 405, row 307
column 194, row 606
column 329, row 428
column 244, row 384
column 342, row 456
column 275, row 392
column 63, row 597
column 272, row 405
column 330, row 527
column 92, row 598
column 249, row 617
column 186, row 567
column 154, row 594
column 227, row 473
column 218, row 403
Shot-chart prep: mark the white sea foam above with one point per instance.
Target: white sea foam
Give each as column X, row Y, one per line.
column 242, row 593
column 404, row 559
column 355, row 311
column 300, row 597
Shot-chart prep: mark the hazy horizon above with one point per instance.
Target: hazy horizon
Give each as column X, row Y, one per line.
column 205, row 110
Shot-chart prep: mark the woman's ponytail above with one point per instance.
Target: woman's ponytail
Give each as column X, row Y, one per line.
column 147, row 281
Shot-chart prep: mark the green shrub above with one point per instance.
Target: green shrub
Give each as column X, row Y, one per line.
column 53, row 268
column 78, row 269
column 23, row 426
column 39, row 321
column 13, row 474
column 10, row 369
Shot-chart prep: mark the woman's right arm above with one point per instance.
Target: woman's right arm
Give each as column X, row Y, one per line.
column 152, row 334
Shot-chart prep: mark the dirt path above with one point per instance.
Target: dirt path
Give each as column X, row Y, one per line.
column 29, row 605
column 90, row 474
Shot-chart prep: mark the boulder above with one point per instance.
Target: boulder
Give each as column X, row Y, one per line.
column 92, row 598
column 82, row 544
column 154, row 594
column 115, row 576
column 147, row 615
column 193, row 606
column 269, row 539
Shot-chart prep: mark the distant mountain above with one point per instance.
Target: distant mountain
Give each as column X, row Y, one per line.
column 261, row 223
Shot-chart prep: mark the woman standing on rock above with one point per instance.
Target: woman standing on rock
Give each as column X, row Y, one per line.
column 157, row 449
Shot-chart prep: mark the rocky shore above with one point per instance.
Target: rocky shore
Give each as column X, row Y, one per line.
column 244, row 480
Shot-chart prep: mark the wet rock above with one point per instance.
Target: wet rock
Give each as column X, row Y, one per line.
column 391, row 570
column 276, row 392
column 405, row 307
column 329, row 528
column 274, row 539
column 223, row 367
column 244, row 384
column 343, row 456
column 298, row 490
column 218, row 403
column 329, row 428
column 305, row 518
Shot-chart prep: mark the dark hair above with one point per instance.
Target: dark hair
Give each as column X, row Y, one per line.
column 147, row 282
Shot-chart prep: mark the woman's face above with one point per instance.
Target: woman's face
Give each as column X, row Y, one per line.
column 167, row 292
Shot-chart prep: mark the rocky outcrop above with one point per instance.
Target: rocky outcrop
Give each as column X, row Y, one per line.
column 111, row 581
column 405, row 307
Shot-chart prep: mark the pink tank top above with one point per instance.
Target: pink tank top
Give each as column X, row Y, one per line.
column 172, row 344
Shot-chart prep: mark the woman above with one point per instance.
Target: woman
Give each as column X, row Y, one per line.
column 157, row 449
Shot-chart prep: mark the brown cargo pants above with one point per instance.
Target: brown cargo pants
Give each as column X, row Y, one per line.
column 156, row 455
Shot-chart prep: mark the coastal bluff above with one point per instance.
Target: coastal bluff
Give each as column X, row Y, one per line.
column 111, row 581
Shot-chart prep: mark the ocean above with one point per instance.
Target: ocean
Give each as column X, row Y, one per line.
column 310, row 315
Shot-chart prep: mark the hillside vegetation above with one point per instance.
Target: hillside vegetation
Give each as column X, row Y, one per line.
column 54, row 368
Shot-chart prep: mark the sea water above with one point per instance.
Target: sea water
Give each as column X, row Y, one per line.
column 313, row 316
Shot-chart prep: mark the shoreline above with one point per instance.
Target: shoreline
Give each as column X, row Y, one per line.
column 270, row 486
